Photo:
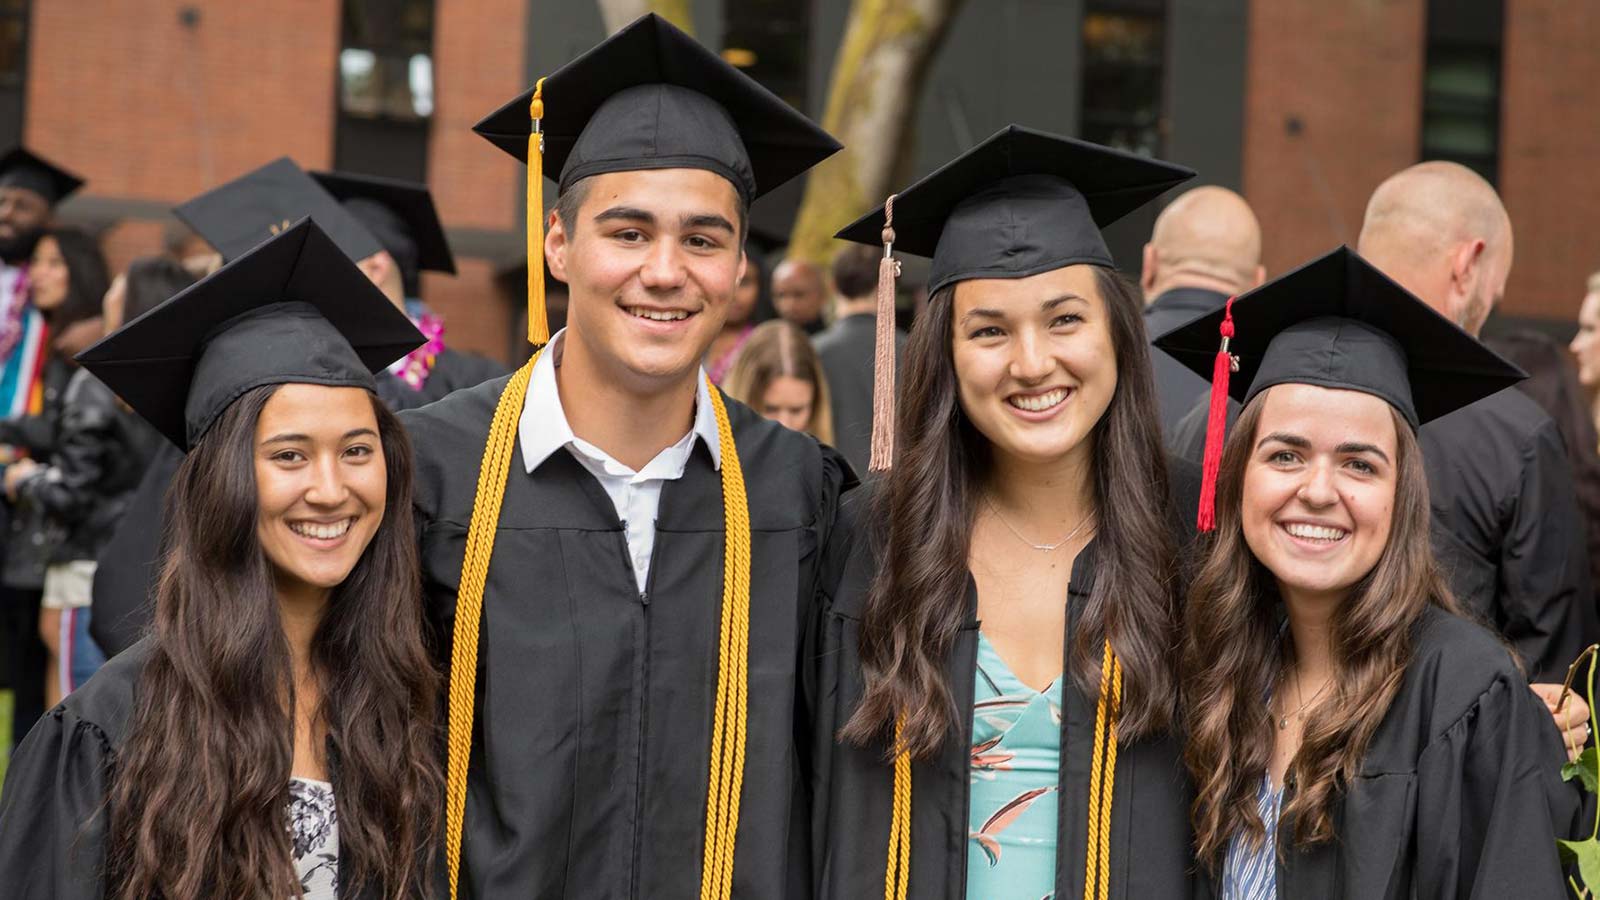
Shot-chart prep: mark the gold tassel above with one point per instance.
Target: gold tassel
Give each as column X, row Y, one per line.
column 538, row 321
column 883, row 352
column 1103, row 779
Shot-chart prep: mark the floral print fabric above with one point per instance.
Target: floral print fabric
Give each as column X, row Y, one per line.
column 314, row 837
column 1015, row 771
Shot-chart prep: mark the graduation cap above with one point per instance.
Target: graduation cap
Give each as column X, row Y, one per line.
column 649, row 97
column 1020, row 203
column 21, row 168
column 400, row 214
column 294, row 310
column 257, row 205
column 1336, row 322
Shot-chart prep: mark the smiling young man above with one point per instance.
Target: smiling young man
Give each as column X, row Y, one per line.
column 621, row 584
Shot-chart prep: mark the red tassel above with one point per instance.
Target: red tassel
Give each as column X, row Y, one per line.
column 1216, row 424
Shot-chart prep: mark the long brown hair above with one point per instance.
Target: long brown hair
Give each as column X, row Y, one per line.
column 1231, row 659
column 773, row 350
column 921, row 528
column 202, row 782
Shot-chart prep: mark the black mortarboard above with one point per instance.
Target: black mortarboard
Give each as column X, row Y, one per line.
column 400, row 214
column 648, row 97
column 294, row 310
column 1020, row 203
column 24, row 169
column 651, row 97
column 257, row 205
column 1336, row 322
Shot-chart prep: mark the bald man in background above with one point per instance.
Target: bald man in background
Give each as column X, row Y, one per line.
column 1507, row 531
column 1206, row 247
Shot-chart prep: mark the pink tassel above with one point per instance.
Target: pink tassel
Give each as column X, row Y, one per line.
column 883, row 352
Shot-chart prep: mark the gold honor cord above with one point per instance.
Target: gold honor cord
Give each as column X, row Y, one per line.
column 1102, row 781
column 727, row 750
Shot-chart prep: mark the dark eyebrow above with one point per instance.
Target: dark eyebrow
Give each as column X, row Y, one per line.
column 303, row 438
column 982, row 313
column 1057, row 301
column 626, row 213
column 1349, row 447
column 707, row 220
column 1283, row 437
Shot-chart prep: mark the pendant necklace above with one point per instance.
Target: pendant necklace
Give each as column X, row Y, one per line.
column 1283, row 720
column 1044, row 548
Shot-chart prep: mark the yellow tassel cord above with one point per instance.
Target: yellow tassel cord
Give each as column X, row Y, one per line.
column 538, row 322
column 727, row 749
column 492, row 474
column 1102, row 779
column 897, row 875
column 1102, row 783
column 733, row 672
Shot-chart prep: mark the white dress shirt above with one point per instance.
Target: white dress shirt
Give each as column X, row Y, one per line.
column 543, row 429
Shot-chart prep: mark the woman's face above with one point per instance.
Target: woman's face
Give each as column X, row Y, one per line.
column 47, row 275
column 320, row 483
column 744, row 296
column 789, row 401
column 1034, row 360
column 1586, row 346
column 1319, row 487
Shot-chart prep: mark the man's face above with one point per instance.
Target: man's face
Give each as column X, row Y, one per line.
column 797, row 292
column 23, row 214
column 651, row 260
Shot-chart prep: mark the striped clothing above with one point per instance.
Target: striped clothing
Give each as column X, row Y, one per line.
column 19, row 369
column 1251, row 873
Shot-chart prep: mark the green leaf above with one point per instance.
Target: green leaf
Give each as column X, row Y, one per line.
column 1587, row 855
column 1586, row 767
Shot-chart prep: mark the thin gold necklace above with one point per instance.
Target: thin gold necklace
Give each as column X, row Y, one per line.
column 1283, row 720
column 1045, row 548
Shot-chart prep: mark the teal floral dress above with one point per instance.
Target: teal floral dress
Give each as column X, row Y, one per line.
column 1016, row 762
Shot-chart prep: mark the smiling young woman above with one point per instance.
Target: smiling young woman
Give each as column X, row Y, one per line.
column 1349, row 733
column 996, row 688
column 274, row 735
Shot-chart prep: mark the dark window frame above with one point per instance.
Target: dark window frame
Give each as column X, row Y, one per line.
column 1464, row 30
column 379, row 142
column 15, row 94
column 1100, row 123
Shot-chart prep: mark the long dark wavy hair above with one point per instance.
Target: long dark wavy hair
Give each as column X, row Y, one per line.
column 198, row 799
column 88, row 279
column 921, row 528
column 1231, row 659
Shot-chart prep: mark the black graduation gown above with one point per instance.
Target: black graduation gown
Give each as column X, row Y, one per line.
column 1460, row 793
column 125, row 576
column 1151, row 842
column 1178, row 388
column 452, row 370
column 589, row 765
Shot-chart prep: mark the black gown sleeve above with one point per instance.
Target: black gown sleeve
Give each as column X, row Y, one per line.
column 52, row 819
column 1491, row 802
column 1545, row 595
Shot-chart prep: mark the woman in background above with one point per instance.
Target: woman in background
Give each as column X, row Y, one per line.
column 741, row 321
column 101, row 451
column 777, row 373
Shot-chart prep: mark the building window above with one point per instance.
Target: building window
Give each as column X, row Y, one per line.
column 1124, row 54
column 385, row 88
column 1461, row 84
column 13, row 68
column 770, row 40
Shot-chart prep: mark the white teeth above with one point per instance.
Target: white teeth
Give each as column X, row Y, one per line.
column 320, row 531
column 1038, row 402
column 1315, row 532
column 659, row 315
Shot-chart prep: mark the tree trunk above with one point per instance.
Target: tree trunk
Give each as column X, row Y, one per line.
column 618, row 13
column 872, row 101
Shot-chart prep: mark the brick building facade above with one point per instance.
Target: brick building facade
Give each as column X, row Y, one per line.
column 1303, row 105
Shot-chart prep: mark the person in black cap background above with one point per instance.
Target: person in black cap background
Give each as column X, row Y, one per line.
column 1007, row 603
column 402, row 217
column 1506, row 525
column 287, row 670
column 1350, row 733
column 1205, row 247
column 619, row 558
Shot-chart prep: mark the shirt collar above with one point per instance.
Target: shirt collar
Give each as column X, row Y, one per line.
column 543, row 428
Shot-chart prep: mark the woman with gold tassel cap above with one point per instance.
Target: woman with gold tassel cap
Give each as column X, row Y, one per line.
column 620, row 557
column 996, row 662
